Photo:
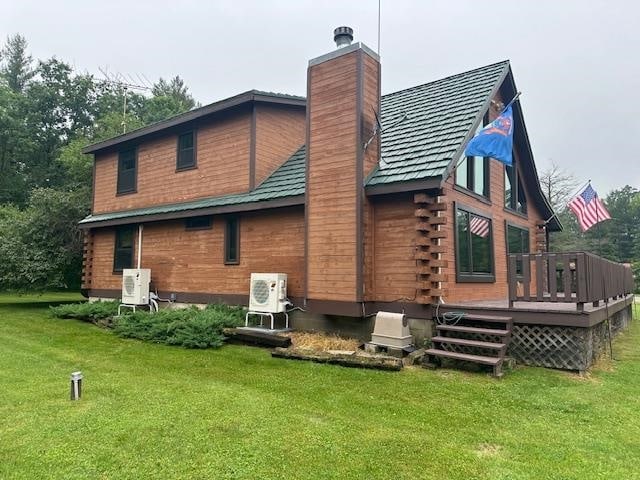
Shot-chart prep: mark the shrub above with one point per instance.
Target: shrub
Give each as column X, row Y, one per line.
column 190, row 327
column 95, row 312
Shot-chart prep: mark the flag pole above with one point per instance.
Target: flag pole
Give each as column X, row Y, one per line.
column 511, row 102
column 555, row 214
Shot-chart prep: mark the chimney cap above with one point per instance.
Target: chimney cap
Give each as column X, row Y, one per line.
column 343, row 36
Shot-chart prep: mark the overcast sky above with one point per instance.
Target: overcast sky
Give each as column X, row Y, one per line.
column 576, row 62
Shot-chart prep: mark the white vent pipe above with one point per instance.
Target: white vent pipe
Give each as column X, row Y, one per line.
column 139, row 245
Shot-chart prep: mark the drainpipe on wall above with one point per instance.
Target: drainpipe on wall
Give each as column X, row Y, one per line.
column 140, row 228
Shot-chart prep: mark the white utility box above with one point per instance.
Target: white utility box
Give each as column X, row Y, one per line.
column 391, row 330
column 135, row 286
column 268, row 292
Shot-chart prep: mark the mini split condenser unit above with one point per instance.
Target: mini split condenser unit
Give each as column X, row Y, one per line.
column 268, row 292
column 135, row 286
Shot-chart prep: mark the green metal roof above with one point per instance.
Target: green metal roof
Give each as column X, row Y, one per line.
column 424, row 128
column 286, row 182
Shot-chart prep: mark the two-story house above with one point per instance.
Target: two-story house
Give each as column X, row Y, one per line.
column 360, row 219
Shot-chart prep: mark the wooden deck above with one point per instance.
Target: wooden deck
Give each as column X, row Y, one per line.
column 542, row 313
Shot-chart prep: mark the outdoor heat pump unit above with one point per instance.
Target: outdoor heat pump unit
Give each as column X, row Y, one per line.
column 268, row 292
column 135, row 286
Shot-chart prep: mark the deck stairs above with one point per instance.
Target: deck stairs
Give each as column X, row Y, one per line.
column 480, row 339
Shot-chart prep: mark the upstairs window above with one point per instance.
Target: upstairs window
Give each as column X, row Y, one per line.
column 232, row 241
column 514, row 196
column 474, row 247
column 472, row 174
column 186, row 151
column 127, row 170
column 517, row 242
column 123, row 251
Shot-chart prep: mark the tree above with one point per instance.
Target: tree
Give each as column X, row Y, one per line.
column 41, row 246
column 47, row 116
column 558, row 185
column 16, row 63
column 169, row 98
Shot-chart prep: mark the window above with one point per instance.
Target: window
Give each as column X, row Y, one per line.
column 127, row 171
column 198, row 223
column 474, row 247
column 517, row 242
column 232, row 241
column 123, row 251
column 472, row 174
column 186, row 151
column 514, row 196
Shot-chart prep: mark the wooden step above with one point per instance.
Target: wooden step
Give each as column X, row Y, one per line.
column 470, row 343
column 488, row 318
column 486, row 331
column 465, row 356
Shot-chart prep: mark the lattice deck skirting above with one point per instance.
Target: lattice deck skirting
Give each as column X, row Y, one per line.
column 568, row 348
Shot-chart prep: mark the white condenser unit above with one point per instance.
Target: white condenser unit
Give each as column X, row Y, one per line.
column 135, row 286
column 268, row 292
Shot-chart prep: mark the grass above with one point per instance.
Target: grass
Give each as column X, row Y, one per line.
column 155, row 412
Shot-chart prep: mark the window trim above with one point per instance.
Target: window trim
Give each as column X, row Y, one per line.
column 135, row 172
column 227, row 260
column 189, row 228
column 474, row 277
column 132, row 228
column 193, row 166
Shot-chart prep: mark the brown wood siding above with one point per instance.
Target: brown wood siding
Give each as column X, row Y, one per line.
column 394, row 243
column 193, row 261
column 370, row 106
column 222, row 157
column 331, row 188
column 482, row 291
column 279, row 133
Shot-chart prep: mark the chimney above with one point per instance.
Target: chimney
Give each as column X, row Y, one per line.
column 343, row 92
column 343, row 36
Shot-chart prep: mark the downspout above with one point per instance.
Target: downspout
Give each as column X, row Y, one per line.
column 140, row 228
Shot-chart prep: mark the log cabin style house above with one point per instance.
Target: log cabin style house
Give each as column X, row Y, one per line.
column 361, row 219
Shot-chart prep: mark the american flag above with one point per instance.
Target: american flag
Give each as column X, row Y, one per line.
column 479, row 226
column 588, row 208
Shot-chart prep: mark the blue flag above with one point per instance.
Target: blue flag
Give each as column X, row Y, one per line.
column 495, row 140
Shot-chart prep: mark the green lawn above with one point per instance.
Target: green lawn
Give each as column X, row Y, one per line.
column 151, row 411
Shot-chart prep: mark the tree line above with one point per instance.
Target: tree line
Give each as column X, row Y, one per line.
column 617, row 239
column 48, row 113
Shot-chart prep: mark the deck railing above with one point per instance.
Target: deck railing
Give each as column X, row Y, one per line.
column 576, row 277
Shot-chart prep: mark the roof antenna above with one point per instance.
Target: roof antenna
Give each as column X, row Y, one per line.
column 119, row 81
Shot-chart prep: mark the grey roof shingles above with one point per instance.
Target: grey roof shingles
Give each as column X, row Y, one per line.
column 423, row 128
